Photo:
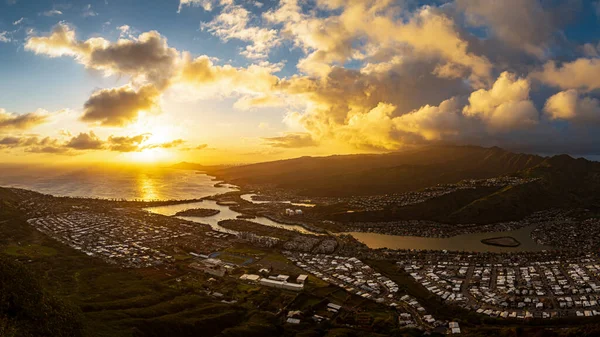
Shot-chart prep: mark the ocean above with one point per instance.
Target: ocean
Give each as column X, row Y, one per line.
column 141, row 183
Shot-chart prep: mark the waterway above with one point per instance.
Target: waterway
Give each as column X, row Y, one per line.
column 225, row 213
column 466, row 242
column 250, row 198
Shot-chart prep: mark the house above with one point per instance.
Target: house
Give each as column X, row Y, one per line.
column 334, row 307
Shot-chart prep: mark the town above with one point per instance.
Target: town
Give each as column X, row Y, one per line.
column 518, row 285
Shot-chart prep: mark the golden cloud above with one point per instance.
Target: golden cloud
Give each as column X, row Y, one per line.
column 291, row 140
column 119, row 106
column 506, row 106
column 22, row 121
column 571, row 106
column 579, row 74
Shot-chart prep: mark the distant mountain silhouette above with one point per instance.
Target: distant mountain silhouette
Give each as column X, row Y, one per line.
column 372, row 174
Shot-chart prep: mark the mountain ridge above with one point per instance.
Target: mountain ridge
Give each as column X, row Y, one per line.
column 371, row 174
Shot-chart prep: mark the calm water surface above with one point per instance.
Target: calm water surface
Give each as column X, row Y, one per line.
column 225, row 214
column 112, row 182
column 249, row 197
column 466, row 242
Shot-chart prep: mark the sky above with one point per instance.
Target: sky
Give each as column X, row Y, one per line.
column 237, row 81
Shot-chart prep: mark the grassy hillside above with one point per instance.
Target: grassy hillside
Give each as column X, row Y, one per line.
column 382, row 173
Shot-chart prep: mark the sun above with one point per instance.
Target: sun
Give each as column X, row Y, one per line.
column 146, row 156
column 150, row 149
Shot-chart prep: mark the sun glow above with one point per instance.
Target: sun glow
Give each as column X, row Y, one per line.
column 157, row 135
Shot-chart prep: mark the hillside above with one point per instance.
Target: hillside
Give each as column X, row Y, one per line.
column 380, row 173
column 564, row 182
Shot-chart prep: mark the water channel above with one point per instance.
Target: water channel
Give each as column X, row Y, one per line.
column 225, row 213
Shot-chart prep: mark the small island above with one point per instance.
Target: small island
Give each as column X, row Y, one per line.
column 246, row 216
column 198, row 212
column 502, row 241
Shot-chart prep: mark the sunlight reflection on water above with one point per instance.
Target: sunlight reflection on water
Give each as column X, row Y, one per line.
column 104, row 182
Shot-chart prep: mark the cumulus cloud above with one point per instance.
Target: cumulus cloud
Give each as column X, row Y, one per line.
column 119, row 106
column 361, row 25
column 153, row 67
column 147, row 57
column 22, row 121
column 126, row 144
column 291, row 140
column 536, row 25
column 373, row 74
column 578, row 74
column 85, row 141
column 434, row 123
column 569, row 105
column 201, row 73
column 506, row 106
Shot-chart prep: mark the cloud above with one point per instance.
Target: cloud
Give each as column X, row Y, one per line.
column 9, row 141
column 167, row 145
column 195, row 148
column 125, row 31
column 60, row 42
column 52, row 12
column 506, row 106
column 18, row 22
column 354, row 29
column 4, row 37
column 139, row 143
column 291, row 140
column 22, row 121
column 364, row 110
column 207, row 5
column 145, row 58
column 126, row 144
column 153, row 67
column 88, row 11
column 578, row 74
column 233, row 23
column 119, row 106
column 536, row 25
column 434, row 123
column 202, row 74
column 33, row 144
column 85, row 141
column 571, row 106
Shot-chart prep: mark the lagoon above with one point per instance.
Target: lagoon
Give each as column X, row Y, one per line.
column 466, row 242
